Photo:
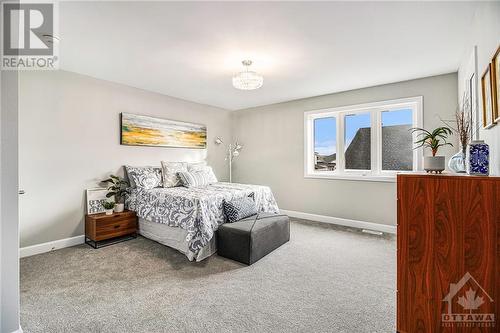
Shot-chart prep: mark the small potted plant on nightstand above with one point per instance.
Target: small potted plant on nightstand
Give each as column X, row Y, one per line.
column 108, row 207
column 117, row 188
column 433, row 140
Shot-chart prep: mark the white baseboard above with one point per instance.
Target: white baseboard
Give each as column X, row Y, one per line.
column 390, row 229
column 20, row 330
column 50, row 246
column 67, row 242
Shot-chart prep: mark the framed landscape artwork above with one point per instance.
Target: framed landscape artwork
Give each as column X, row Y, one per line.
column 95, row 198
column 495, row 79
column 487, row 95
column 139, row 130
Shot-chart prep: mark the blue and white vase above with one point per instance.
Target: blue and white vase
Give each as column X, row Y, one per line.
column 478, row 156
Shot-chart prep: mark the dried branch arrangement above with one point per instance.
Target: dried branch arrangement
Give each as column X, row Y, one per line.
column 462, row 125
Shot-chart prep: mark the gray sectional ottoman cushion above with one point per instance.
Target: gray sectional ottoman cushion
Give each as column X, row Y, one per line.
column 252, row 238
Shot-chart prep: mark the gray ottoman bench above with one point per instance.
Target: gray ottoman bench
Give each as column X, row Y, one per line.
column 252, row 238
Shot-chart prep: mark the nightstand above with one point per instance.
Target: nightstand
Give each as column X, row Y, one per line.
column 102, row 230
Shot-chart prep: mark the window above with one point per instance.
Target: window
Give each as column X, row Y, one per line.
column 369, row 141
column 325, row 144
column 357, row 141
column 397, row 140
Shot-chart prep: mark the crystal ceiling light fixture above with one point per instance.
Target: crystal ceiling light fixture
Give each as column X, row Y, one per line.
column 247, row 80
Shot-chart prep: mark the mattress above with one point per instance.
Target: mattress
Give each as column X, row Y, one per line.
column 175, row 238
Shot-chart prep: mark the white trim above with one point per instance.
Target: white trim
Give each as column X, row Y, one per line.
column 393, row 103
column 376, row 141
column 309, row 139
column 20, row 330
column 51, row 246
column 340, row 149
column 389, row 178
column 390, row 229
column 418, row 121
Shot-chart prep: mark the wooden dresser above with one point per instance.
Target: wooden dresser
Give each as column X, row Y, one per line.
column 102, row 229
column 448, row 265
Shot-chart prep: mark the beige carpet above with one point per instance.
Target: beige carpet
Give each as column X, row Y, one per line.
column 326, row 279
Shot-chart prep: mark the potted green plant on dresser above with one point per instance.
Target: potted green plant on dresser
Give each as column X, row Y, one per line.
column 118, row 188
column 433, row 140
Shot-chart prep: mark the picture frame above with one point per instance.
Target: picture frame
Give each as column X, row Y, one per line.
column 142, row 130
column 487, row 96
column 469, row 104
column 94, row 198
column 471, row 94
column 495, row 81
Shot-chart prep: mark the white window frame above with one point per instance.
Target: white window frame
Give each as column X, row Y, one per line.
column 375, row 109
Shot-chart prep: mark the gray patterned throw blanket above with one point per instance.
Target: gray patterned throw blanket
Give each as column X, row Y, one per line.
column 197, row 209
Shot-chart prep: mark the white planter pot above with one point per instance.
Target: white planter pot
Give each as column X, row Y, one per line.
column 434, row 164
column 108, row 211
column 119, row 207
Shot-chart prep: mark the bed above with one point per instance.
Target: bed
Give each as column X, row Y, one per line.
column 186, row 218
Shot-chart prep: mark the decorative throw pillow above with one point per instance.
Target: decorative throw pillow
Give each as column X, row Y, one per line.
column 144, row 177
column 211, row 175
column 170, row 171
column 196, row 166
column 239, row 208
column 197, row 178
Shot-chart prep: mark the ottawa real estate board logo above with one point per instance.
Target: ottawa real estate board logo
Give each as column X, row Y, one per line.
column 28, row 36
column 468, row 305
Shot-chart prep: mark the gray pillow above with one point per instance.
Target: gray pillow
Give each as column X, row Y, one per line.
column 239, row 208
column 144, row 177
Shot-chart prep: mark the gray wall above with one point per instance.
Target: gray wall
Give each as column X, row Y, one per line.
column 9, row 226
column 69, row 140
column 273, row 154
column 485, row 34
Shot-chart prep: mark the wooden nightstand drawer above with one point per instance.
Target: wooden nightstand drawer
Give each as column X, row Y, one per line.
column 102, row 227
column 113, row 219
column 116, row 229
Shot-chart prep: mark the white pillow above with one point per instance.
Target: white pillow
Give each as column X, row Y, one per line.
column 198, row 177
column 196, row 166
column 170, row 170
column 211, row 175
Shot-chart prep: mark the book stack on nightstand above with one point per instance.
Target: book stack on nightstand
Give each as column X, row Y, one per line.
column 102, row 230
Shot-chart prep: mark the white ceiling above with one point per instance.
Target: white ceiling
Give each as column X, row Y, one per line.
column 191, row 50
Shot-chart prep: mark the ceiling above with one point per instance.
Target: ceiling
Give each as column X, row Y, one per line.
column 191, row 50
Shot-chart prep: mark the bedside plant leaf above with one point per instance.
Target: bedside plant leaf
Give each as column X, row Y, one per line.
column 118, row 188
